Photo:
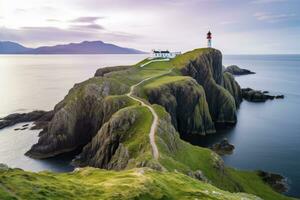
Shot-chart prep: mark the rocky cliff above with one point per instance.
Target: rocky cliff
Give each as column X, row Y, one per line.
column 233, row 87
column 79, row 116
column 185, row 101
column 111, row 148
column 207, row 71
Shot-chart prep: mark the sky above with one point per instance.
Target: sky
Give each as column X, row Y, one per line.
column 237, row 26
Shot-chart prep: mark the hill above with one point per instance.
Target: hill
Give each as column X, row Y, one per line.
column 7, row 47
column 86, row 47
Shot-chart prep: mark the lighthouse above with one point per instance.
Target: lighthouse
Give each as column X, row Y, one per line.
column 209, row 39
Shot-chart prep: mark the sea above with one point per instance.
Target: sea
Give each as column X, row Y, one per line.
column 266, row 136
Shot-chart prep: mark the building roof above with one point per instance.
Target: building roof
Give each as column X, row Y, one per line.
column 161, row 51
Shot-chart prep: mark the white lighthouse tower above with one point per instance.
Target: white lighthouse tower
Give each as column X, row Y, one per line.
column 209, row 39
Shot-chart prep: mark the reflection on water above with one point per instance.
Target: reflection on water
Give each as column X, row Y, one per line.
column 14, row 145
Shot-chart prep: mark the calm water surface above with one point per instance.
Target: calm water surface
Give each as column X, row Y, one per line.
column 267, row 135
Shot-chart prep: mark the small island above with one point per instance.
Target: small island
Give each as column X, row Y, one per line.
column 235, row 70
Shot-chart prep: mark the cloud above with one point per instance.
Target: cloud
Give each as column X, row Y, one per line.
column 228, row 22
column 88, row 26
column 53, row 35
column 86, row 19
column 269, row 17
column 53, row 20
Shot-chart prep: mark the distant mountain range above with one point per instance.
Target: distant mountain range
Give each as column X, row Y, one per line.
column 86, row 47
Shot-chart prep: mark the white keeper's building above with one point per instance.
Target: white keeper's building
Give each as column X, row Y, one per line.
column 164, row 54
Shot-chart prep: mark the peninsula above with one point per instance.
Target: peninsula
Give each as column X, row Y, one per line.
column 127, row 120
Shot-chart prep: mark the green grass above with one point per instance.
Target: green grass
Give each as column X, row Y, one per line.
column 137, row 140
column 90, row 183
column 165, row 80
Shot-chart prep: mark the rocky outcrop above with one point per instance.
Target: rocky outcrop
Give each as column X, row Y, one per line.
column 258, row 96
column 206, row 69
column 106, row 149
column 198, row 174
column 106, row 70
column 235, row 70
column 38, row 116
column 185, row 101
column 276, row 181
column 233, row 87
column 223, row 147
column 79, row 116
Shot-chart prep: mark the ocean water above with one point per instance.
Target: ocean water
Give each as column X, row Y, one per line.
column 267, row 135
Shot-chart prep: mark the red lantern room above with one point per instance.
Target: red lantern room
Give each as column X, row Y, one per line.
column 209, row 35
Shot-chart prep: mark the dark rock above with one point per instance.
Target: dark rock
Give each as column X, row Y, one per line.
column 235, row 70
column 78, row 117
column 3, row 167
column 233, row 87
column 206, row 69
column 106, row 149
column 186, row 103
column 257, row 95
column 17, row 129
column 106, row 70
column 25, row 125
column 198, row 174
column 15, row 118
column 276, row 181
column 24, row 128
column 43, row 121
column 224, row 147
column 279, row 97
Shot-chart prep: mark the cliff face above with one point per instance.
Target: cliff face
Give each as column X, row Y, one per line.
column 78, row 117
column 207, row 71
column 106, row 149
column 185, row 101
column 233, row 87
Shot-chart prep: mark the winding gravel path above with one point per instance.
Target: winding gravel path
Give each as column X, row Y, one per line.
column 154, row 114
column 155, row 60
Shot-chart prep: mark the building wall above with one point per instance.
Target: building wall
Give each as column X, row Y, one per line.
column 166, row 55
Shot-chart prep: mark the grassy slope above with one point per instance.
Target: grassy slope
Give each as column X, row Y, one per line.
column 90, row 183
column 192, row 158
column 139, row 147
